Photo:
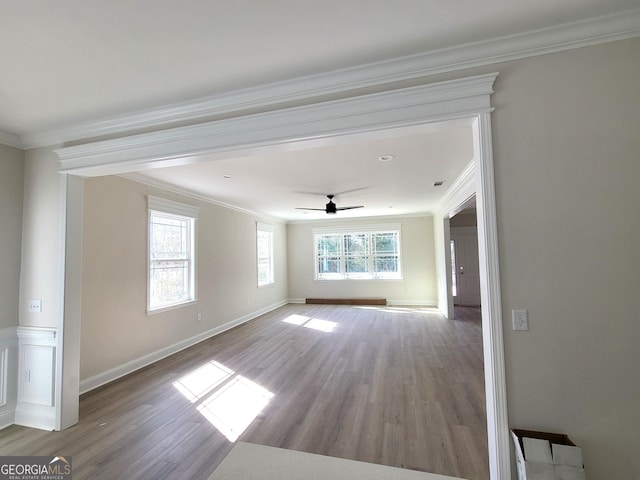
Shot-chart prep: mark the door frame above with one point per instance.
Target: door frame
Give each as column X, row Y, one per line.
column 466, row 100
column 466, row 230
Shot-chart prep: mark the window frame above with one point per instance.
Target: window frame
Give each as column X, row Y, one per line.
column 269, row 229
column 161, row 207
column 370, row 254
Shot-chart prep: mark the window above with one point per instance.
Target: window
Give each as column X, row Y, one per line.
column 370, row 252
column 264, row 243
column 171, row 280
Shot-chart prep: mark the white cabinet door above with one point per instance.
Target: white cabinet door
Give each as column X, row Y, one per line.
column 37, row 374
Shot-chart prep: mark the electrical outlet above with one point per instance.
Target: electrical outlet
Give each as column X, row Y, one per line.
column 520, row 320
column 199, row 316
column 34, row 306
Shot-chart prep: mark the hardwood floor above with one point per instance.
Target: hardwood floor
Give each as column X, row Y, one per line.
column 389, row 385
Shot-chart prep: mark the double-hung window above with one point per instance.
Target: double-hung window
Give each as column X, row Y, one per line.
column 171, row 247
column 364, row 252
column 264, row 243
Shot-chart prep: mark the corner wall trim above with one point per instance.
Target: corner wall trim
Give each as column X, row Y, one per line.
column 100, row 379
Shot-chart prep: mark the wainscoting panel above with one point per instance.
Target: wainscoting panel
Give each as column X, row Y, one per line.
column 8, row 375
column 36, row 377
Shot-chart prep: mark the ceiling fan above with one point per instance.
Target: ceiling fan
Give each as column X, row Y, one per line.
column 330, row 207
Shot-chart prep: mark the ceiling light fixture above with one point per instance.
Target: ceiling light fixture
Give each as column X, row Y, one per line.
column 386, row 158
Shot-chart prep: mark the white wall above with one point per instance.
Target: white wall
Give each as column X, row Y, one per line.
column 417, row 287
column 41, row 265
column 115, row 326
column 11, row 192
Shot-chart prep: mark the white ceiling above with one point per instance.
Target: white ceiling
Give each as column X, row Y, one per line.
column 279, row 183
column 66, row 62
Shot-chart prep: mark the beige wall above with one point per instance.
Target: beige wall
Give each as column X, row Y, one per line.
column 418, row 285
column 115, row 327
column 11, row 192
column 566, row 137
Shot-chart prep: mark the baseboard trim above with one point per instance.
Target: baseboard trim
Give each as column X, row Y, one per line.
column 35, row 416
column 7, row 418
column 108, row 376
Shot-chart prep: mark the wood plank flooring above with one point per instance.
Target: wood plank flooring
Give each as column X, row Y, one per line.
column 394, row 386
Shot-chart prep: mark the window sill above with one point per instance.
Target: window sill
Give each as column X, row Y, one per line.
column 171, row 307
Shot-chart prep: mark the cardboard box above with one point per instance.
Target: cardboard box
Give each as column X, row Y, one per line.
column 563, row 472
column 569, row 455
column 546, row 456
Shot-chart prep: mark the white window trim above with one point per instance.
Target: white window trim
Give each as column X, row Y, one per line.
column 164, row 206
column 366, row 228
column 264, row 227
column 169, row 206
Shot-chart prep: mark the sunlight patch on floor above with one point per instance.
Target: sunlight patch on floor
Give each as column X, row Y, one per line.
column 313, row 323
column 296, row 319
column 321, row 325
column 232, row 402
column 201, row 381
column 232, row 408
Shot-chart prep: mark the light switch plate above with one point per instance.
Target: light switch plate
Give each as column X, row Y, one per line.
column 520, row 320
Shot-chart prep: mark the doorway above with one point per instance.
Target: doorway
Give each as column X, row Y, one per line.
column 465, row 268
column 465, row 99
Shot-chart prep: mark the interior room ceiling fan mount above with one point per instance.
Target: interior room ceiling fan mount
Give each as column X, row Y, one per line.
column 331, row 208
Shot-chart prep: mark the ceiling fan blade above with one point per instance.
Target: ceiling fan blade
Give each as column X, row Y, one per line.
column 317, row 209
column 349, row 208
column 322, row 194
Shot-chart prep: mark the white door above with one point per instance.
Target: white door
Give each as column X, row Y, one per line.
column 467, row 269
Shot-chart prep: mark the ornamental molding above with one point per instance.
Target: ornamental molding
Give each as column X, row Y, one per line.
column 408, row 107
column 340, row 82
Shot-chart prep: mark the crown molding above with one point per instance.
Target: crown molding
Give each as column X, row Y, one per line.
column 462, row 189
column 167, row 187
column 10, row 140
column 538, row 42
column 450, row 100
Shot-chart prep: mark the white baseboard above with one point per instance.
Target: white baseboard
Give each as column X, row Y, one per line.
column 35, row 416
column 297, row 300
column 7, row 418
column 103, row 378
